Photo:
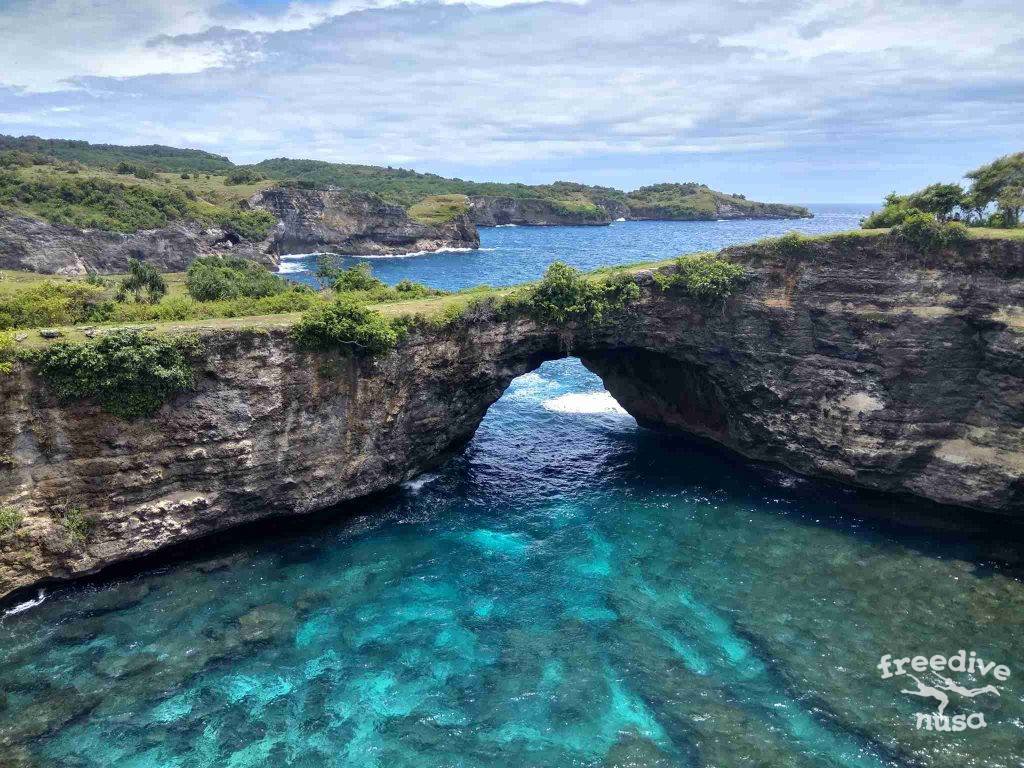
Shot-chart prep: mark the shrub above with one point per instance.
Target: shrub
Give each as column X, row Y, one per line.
column 248, row 225
column 130, row 374
column 345, row 325
column 410, row 290
column 704, row 276
column 565, row 295
column 358, row 277
column 49, row 303
column 10, row 519
column 244, row 176
column 136, row 170
column 926, row 234
column 223, row 277
column 143, row 282
column 8, row 352
column 75, row 523
column 790, row 245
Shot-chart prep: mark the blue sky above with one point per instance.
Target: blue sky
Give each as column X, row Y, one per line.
column 838, row 101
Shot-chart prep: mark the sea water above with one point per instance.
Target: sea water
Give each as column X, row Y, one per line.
column 571, row 590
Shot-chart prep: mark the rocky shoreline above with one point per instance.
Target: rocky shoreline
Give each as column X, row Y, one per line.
column 345, row 222
column 490, row 211
column 851, row 358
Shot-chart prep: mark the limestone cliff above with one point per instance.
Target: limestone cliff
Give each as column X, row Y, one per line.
column 853, row 359
column 341, row 221
column 349, row 222
column 488, row 211
column 34, row 245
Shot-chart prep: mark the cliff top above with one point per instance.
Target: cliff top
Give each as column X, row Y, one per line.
column 285, row 315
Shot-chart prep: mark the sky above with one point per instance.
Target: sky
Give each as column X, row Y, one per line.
column 781, row 100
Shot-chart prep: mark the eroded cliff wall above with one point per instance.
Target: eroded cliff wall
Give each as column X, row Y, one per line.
column 853, row 359
column 348, row 222
column 34, row 245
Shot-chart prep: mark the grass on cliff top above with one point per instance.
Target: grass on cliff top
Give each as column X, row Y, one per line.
column 97, row 198
column 439, row 209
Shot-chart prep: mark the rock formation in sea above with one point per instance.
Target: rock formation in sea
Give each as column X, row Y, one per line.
column 853, row 358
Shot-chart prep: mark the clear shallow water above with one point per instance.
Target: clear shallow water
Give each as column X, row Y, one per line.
column 570, row 591
column 510, row 255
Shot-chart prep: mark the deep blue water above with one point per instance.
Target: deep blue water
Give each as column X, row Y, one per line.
column 571, row 590
column 510, row 255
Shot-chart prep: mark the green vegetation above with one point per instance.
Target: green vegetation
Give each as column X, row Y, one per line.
column 10, row 519
column 143, row 283
column 49, row 302
column 216, row 278
column 130, row 374
column 111, row 203
column 927, row 234
column 109, row 156
column 345, row 325
column 243, row 176
column 567, row 295
column 999, row 183
column 704, row 276
column 694, row 201
column 410, row 188
column 76, row 525
column 359, row 283
column 439, row 209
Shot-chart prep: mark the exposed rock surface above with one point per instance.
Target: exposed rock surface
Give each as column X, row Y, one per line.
column 34, row 245
column 348, row 222
column 853, row 360
column 488, row 211
column 531, row 211
column 341, row 221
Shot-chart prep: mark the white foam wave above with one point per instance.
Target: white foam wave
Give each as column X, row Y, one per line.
column 584, row 402
column 500, row 226
column 291, row 267
column 27, row 605
column 416, row 484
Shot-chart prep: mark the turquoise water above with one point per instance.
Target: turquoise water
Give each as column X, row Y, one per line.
column 510, row 255
column 571, row 590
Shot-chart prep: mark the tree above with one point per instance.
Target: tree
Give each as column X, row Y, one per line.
column 938, row 199
column 990, row 180
column 1010, row 202
column 143, row 282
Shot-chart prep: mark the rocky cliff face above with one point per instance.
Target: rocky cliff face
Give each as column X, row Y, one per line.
column 852, row 359
column 38, row 246
column 530, row 211
column 348, row 222
column 503, row 211
column 722, row 210
column 340, row 221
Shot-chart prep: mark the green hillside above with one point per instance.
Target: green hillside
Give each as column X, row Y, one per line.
column 153, row 156
column 405, row 187
column 79, row 183
column 691, row 201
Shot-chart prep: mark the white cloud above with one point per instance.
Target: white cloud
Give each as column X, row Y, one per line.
column 505, row 81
